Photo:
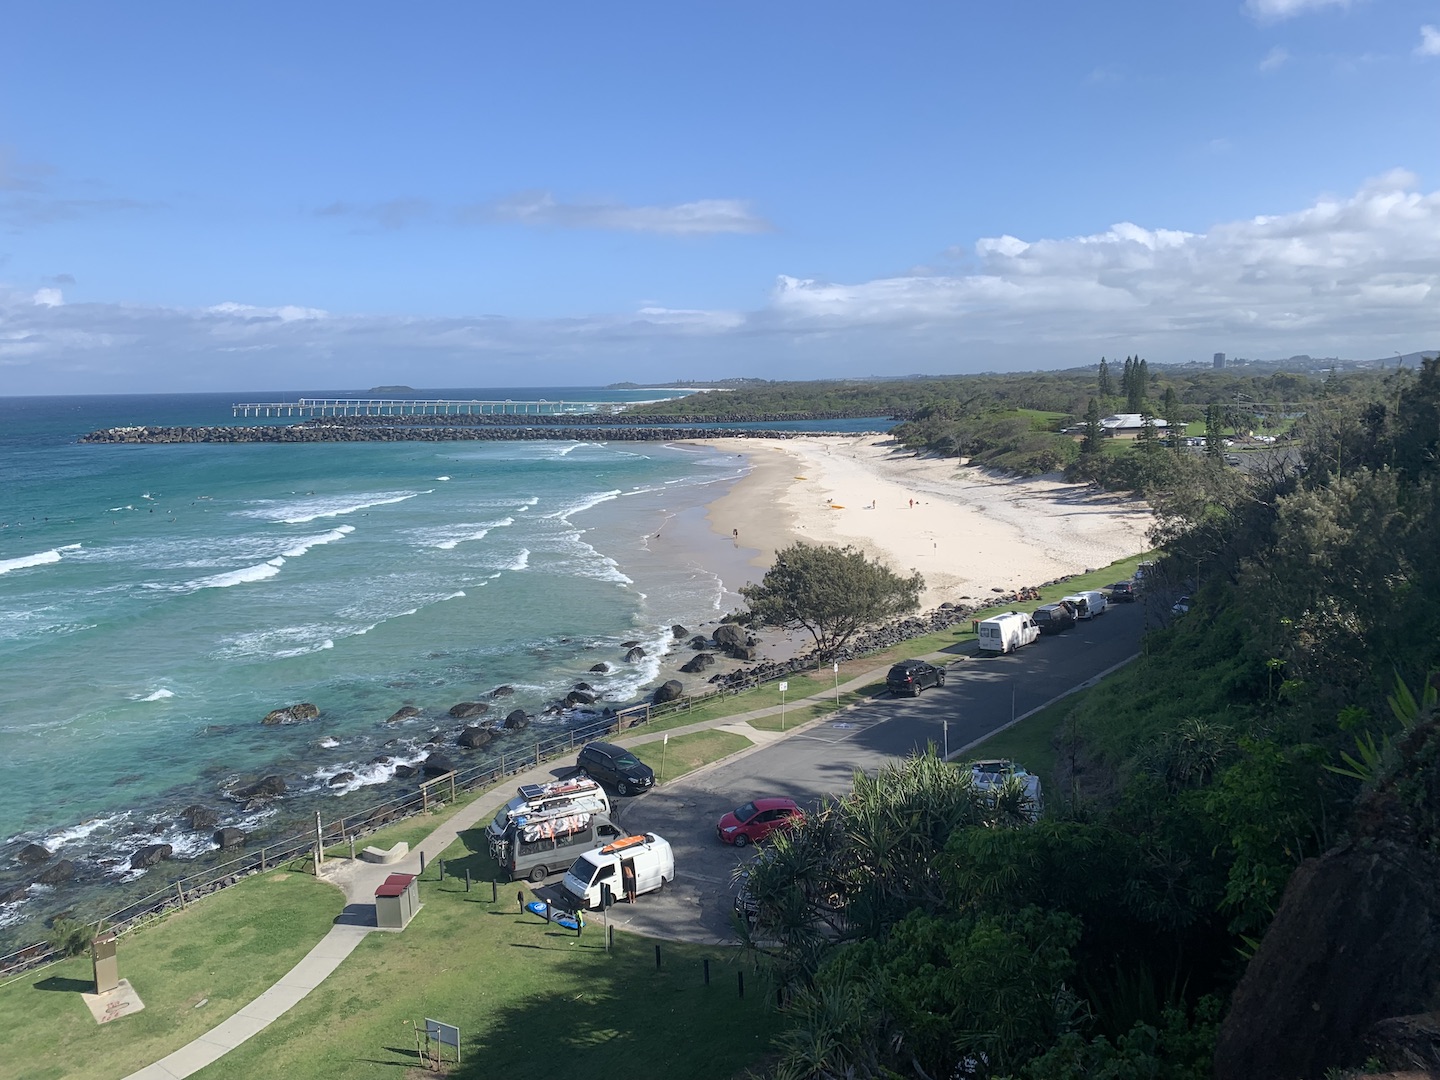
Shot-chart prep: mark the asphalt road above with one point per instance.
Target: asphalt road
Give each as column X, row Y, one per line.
column 980, row 695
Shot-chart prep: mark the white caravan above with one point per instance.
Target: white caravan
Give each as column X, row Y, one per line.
column 544, row 811
column 1006, row 633
column 628, row 867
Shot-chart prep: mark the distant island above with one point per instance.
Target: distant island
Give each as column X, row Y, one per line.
column 391, row 390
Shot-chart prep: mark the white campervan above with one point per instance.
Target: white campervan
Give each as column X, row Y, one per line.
column 628, row 867
column 1006, row 633
column 1088, row 604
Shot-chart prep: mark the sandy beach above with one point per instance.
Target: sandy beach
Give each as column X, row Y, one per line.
column 966, row 531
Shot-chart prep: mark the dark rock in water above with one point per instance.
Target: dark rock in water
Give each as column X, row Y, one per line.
column 15, row 895
column 340, row 778
column 579, row 697
column 698, row 663
column 33, row 853
column 62, row 871
column 629, row 644
column 150, row 855
column 128, row 778
column 291, row 714
column 600, row 669
column 476, row 738
column 199, row 817
column 403, row 771
column 229, row 837
column 679, row 631
column 699, row 641
column 437, row 765
column 502, row 691
column 729, row 636
column 382, row 759
column 517, row 721
column 669, row 691
column 405, row 712
column 267, row 787
column 583, row 686
column 468, row 709
column 634, row 654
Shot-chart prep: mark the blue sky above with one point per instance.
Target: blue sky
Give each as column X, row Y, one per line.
column 196, row 196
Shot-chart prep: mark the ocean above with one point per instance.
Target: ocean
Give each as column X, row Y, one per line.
column 156, row 602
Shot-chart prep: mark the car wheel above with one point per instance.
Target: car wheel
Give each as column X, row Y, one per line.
column 940, row 680
column 916, row 691
column 741, row 839
column 623, row 788
column 539, row 874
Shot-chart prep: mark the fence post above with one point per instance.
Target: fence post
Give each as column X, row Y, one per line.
column 537, row 753
column 452, row 787
column 180, row 888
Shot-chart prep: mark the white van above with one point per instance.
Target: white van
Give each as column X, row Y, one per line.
column 1088, row 604
column 1006, row 633
column 628, row 867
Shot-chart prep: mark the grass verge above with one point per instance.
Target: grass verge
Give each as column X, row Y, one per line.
column 685, row 753
column 1035, row 742
column 191, row 970
column 530, row 999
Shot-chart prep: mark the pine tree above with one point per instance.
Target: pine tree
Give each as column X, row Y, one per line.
column 1090, row 444
column 1135, row 387
column 1106, row 388
column 1127, row 378
column 1149, row 437
column 1170, row 410
column 1213, row 445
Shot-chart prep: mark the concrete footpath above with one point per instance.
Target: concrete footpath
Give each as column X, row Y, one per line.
column 358, row 881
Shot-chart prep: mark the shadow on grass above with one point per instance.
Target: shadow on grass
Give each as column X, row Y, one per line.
column 66, row 986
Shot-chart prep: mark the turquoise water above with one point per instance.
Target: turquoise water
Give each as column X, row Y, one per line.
column 157, row 601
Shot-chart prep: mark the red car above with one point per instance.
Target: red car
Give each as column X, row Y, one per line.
column 758, row 819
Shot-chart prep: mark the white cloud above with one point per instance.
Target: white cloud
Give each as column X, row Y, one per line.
column 48, row 298
column 1429, row 42
column 1353, row 276
column 1275, row 59
column 1276, row 10
column 684, row 219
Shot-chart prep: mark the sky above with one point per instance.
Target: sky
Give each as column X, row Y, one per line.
column 323, row 195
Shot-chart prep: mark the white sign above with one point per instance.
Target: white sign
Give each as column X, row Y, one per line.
column 447, row 1034
column 784, row 686
column 836, row 666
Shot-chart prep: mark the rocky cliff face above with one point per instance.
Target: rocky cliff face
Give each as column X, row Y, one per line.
column 1355, row 942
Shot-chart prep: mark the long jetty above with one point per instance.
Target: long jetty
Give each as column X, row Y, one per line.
column 418, row 407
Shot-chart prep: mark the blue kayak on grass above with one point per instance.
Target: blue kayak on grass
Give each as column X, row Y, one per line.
column 559, row 916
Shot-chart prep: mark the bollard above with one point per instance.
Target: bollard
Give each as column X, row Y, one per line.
column 609, row 938
column 467, row 879
column 422, row 864
column 657, row 957
column 352, row 849
column 519, row 899
column 494, row 891
column 579, row 923
column 442, row 871
column 740, row 981
column 707, row 971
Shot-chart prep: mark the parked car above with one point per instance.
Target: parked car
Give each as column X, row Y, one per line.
column 1052, row 618
column 1005, row 633
column 757, row 819
column 1123, row 592
column 1181, row 606
column 912, row 676
column 616, row 766
column 1088, row 604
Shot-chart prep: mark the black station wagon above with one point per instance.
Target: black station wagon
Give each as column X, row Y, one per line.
column 615, row 766
column 912, row 676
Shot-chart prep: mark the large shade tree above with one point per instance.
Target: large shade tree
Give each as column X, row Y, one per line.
column 831, row 592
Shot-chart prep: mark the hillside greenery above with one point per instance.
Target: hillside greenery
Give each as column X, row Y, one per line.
column 921, row 936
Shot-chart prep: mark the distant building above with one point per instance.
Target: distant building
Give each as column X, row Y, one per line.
column 1128, row 424
column 1219, row 361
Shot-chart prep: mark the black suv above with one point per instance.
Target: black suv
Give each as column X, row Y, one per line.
column 1052, row 618
column 1122, row 592
column 913, row 676
column 616, row 766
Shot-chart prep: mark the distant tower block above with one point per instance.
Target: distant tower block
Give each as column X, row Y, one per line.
column 1219, row 361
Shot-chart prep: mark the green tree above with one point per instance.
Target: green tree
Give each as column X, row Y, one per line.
column 1174, row 427
column 1214, row 446
column 1136, row 386
column 1149, row 437
column 1105, row 387
column 1090, row 444
column 831, row 592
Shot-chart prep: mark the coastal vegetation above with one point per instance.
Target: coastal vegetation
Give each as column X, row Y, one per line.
column 1288, row 715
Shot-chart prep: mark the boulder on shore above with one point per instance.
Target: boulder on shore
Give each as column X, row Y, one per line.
column 669, row 690
column 699, row 641
column 230, row 837
column 291, row 714
column 601, row 668
column 634, row 654
column 467, row 710
column 405, row 712
column 63, row 870
column 150, row 855
column 437, row 765
column 404, row 772
column 678, row 631
column 730, row 636
column 340, row 778
column 579, row 697
column 15, row 895
column 199, row 818
column 517, row 721
column 698, row 663
column 267, row 787
column 33, row 853
column 475, row 737
column 502, row 691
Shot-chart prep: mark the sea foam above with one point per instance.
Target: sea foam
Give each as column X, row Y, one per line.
column 40, row 558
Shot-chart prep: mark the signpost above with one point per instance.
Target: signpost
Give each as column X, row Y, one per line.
column 664, row 744
column 836, row 666
column 438, row 1035
column 783, row 687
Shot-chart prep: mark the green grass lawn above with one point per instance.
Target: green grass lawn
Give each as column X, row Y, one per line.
column 1035, row 742
column 192, row 970
column 686, row 753
column 531, row 1000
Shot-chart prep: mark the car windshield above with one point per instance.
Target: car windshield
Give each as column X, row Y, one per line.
column 746, row 812
column 627, row 761
column 583, row 869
